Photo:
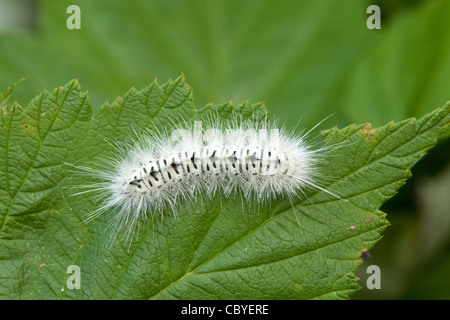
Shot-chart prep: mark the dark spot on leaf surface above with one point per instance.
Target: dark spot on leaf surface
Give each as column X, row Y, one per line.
column 365, row 255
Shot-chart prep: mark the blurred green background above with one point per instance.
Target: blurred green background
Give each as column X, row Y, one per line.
column 305, row 59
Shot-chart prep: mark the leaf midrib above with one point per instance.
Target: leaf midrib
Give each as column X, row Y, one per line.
column 193, row 273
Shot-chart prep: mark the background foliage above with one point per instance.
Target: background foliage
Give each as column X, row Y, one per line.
column 309, row 58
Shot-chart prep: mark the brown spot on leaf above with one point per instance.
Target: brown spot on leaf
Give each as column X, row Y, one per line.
column 365, row 255
column 367, row 130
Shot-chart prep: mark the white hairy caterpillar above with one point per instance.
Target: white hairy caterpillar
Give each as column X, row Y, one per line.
column 162, row 168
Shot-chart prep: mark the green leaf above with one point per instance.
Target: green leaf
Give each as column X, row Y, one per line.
column 292, row 54
column 214, row 249
column 6, row 94
column 278, row 51
column 389, row 83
